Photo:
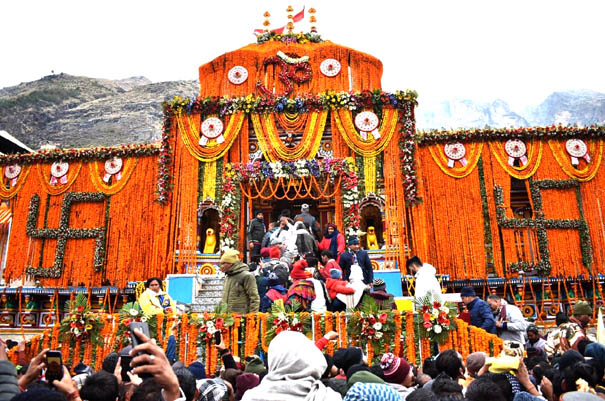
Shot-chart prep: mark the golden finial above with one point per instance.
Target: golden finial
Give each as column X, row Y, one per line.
column 290, row 26
column 266, row 23
column 266, row 14
column 312, row 19
column 289, row 9
column 312, row 10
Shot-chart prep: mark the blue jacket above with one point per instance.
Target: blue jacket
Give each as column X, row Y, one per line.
column 346, row 261
column 481, row 315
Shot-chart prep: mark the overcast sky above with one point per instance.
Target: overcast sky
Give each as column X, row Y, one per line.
column 519, row 51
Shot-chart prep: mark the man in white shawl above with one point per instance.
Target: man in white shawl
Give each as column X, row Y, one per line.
column 295, row 369
column 426, row 282
column 355, row 282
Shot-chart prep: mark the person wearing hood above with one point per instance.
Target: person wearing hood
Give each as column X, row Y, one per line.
column 356, row 257
column 240, row 292
column 510, row 323
column 305, row 243
column 398, row 374
column 383, row 299
column 276, row 291
column 295, row 370
column 333, row 241
column 336, row 285
column 426, row 281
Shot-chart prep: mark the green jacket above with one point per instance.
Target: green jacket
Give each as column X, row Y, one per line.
column 240, row 292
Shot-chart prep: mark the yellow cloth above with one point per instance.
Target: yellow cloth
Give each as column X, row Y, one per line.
column 504, row 364
column 149, row 302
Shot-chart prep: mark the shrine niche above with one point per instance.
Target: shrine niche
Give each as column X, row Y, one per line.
column 372, row 224
column 208, row 228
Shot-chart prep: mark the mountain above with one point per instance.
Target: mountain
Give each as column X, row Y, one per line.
column 74, row 111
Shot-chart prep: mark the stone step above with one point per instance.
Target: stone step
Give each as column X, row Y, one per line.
column 217, row 287
column 207, row 300
column 209, row 294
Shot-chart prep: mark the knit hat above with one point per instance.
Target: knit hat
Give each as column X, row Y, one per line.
column 230, row 256
column 273, row 280
column 395, row 369
column 255, row 366
column 475, row 361
column 274, row 252
column 353, row 241
column 468, row 292
column 363, row 376
column 298, row 270
column 198, row 370
column 372, row 392
column 82, row 368
column 335, row 274
column 245, row 382
column 379, row 284
column 304, row 207
column 582, row 308
column 344, row 358
column 211, row 389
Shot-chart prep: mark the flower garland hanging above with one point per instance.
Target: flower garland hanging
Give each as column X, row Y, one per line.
column 210, row 323
column 282, row 318
column 132, row 312
column 81, row 324
column 371, row 327
column 330, row 169
column 437, row 319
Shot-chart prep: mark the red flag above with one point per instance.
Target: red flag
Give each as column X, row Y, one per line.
column 258, row 31
column 299, row 16
column 279, row 30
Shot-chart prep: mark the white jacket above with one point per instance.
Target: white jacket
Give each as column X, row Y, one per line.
column 516, row 325
column 427, row 282
column 319, row 303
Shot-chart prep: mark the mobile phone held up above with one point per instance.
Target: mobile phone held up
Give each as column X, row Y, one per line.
column 54, row 366
column 143, row 327
column 218, row 338
column 125, row 364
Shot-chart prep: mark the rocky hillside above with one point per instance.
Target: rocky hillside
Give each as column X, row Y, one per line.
column 78, row 111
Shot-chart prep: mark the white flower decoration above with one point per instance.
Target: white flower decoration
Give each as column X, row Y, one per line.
column 377, row 326
column 437, row 329
column 133, row 312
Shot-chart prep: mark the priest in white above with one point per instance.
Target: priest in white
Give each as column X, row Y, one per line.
column 426, row 281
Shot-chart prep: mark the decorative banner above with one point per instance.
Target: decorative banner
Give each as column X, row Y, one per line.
column 343, row 124
column 113, row 167
column 455, row 152
column 99, row 170
column 532, row 154
column 189, row 127
column 212, row 128
column 516, row 149
column 12, row 181
column 58, row 172
column 45, row 174
column 330, row 67
column 577, row 149
column 367, row 122
column 472, row 152
column 238, row 75
column 273, row 147
column 562, row 155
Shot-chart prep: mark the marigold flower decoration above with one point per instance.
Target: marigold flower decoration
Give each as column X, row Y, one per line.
column 283, row 318
column 81, row 324
column 370, row 325
column 132, row 312
column 437, row 319
column 210, row 323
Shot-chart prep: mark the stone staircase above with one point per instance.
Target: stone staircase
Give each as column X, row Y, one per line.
column 209, row 294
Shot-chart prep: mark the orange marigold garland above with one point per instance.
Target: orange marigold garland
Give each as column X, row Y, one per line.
column 409, row 336
column 397, row 349
column 235, row 333
column 263, row 319
column 160, row 325
column 329, row 327
column 183, row 348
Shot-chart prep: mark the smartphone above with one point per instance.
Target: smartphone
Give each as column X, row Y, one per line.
column 514, row 345
column 54, row 366
column 125, row 364
column 143, row 327
column 218, row 337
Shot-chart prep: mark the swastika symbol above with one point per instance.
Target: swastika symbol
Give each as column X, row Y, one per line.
column 64, row 233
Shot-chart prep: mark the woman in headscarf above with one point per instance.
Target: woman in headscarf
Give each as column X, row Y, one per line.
column 305, row 243
column 295, row 369
column 333, row 241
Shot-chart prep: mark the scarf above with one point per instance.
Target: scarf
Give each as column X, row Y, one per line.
column 333, row 240
column 295, row 369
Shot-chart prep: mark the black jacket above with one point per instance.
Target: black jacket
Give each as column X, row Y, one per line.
column 346, row 260
column 256, row 230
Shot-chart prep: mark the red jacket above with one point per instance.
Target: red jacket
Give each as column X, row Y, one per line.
column 325, row 271
column 336, row 287
column 340, row 241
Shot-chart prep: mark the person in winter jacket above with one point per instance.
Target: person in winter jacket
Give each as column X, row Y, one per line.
column 240, row 292
column 273, row 227
column 256, row 232
column 302, row 290
column 426, row 281
column 333, row 241
column 309, row 220
column 398, row 374
column 481, row 313
column 355, row 256
column 327, row 259
column 336, row 285
column 383, row 299
column 305, row 243
column 285, row 237
column 510, row 323
column 276, row 291
column 277, row 265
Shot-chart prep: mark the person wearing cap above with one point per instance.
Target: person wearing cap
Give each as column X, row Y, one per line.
column 481, row 313
column 565, row 336
column 305, row 243
column 398, row 374
column 240, row 292
column 309, row 220
column 336, row 285
column 582, row 314
column 256, row 232
column 383, row 299
column 356, row 256
column 534, row 340
column 301, row 290
column 276, row 291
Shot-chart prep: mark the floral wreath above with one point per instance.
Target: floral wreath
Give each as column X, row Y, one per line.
column 81, row 324
column 331, row 169
column 132, row 312
column 437, row 319
column 210, row 323
column 370, row 325
column 283, row 318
